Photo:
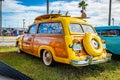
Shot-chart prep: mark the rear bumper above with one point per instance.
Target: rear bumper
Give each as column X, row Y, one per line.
column 89, row 62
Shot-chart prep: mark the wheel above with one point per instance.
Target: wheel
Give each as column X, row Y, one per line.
column 18, row 48
column 47, row 58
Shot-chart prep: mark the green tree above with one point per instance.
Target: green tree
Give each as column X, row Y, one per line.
column 83, row 5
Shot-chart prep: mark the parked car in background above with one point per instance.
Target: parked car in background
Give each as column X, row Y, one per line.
column 63, row 39
column 111, row 35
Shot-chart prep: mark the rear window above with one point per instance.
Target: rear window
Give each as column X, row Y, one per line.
column 50, row 28
column 88, row 29
column 77, row 28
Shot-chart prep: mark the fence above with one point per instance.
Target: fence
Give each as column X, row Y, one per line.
column 7, row 41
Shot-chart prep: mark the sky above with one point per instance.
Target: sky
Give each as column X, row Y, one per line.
column 14, row 11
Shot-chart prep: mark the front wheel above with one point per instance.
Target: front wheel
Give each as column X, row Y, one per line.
column 47, row 58
column 18, row 48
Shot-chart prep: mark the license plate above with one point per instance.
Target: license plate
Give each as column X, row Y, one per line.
column 77, row 47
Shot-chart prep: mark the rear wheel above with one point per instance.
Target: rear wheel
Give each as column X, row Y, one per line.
column 47, row 58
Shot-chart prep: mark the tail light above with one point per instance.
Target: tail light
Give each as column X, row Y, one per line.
column 76, row 46
column 104, row 44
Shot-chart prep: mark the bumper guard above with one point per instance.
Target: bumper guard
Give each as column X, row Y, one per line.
column 90, row 62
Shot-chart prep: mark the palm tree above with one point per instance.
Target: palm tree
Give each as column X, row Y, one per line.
column 83, row 5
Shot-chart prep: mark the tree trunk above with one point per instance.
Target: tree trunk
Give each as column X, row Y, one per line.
column 83, row 15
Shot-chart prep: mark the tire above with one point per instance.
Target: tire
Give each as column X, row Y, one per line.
column 92, row 44
column 18, row 49
column 47, row 58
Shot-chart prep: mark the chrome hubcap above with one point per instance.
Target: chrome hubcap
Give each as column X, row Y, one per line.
column 47, row 57
column 95, row 44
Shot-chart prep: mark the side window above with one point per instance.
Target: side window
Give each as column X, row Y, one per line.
column 50, row 28
column 110, row 32
column 87, row 29
column 75, row 28
column 32, row 29
column 104, row 33
column 117, row 32
column 42, row 28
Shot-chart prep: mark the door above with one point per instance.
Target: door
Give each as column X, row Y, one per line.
column 28, row 39
column 51, row 34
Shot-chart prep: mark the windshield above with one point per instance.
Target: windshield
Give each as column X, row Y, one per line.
column 77, row 28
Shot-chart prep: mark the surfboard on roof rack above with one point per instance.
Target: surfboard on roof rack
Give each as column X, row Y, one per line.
column 50, row 16
column 47, row 16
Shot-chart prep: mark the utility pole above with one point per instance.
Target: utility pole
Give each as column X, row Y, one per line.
column 109, row 19
column 1, row 17
column 47, row 6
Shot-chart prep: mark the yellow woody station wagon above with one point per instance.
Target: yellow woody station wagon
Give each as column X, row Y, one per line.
column 64, row 39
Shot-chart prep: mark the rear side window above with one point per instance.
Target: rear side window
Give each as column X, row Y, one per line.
column 32, row 29
column 50, row 28
column 88, row 29
column 75, row 28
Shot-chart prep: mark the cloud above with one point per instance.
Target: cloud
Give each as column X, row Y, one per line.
column 97, row 10
column 12, row 6
column 15, row 6
column 14, row 13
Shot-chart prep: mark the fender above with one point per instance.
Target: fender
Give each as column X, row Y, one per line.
column 47, row 48
column 57, row 59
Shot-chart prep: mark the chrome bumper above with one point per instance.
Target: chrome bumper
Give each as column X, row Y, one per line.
column 89, row 62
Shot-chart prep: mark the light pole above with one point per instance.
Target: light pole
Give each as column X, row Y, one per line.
column 109, row 19
column 113, row 21
column 23, row 24
column 1, row 17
